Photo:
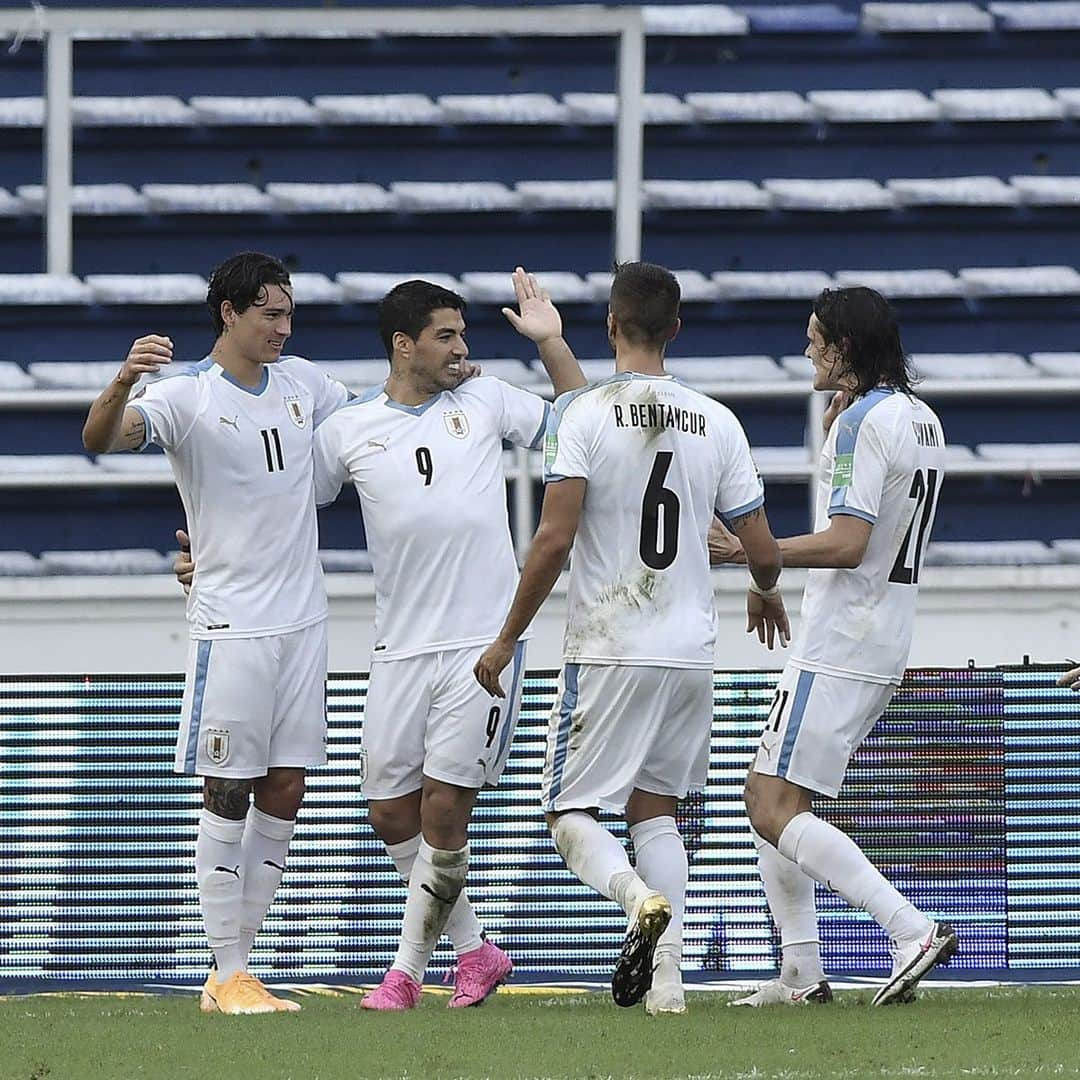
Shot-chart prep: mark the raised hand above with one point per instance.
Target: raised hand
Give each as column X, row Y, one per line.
column 537, row 318
column 147, row 354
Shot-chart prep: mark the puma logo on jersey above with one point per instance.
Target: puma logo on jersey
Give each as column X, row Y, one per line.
column 379, row 444
column 231, row 423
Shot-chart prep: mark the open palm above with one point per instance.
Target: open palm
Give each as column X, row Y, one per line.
column 537, row 318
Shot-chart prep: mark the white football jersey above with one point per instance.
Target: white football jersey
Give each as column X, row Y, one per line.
column 659, row 458
column 433, row 496
column 883, row 462
column 242, row 463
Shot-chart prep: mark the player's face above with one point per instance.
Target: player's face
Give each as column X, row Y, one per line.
column 436, row 357
column 260, row 332
column 825, row 358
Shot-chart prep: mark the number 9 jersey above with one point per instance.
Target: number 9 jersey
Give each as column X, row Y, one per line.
column 659, row 459
column 883, row 462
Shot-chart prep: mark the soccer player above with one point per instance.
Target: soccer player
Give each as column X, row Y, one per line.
column 635, row 466
column 881, row 472
column 425, row 456
column 237, row 429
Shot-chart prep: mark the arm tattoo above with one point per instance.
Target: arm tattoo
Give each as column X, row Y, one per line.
column 136, row 434
column 745, row 519
column 226, row 797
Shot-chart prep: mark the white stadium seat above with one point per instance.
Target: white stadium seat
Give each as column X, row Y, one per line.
column 147, row 464
column 707, row 370
column 94, row 563
column 96, row 199
column 955, row 455
column 207, row 199
column 497, row 287
column 330, row 198
column 1021, row 281
column 830, row 195
column 602, row 109
column 1048, row 190
column 566, row 194
column 797, row 366
column 972, row 366
column 366, row 287
column 1034, row 454
column 12, row 377
column 990, row 553
column 155, row 111
column 19, row 564
column 501, row 109
column 147, row 288
column 902, row 284
column 1068, row 550
column 925, row 18
column 402, row 109
column 11, row 205
column 704, row 195
column 874, row 106
column 596, row 369
column 454, row 197
column 1059, row 365
column 714, row 20
column 1040, row 15
column 770, row 284
column 1070, row 100
column 1022, row 103
column 248, row 111
column 312, row 288
column 43, row 289
column 45, row 465
column 515, row 372
column 954, row 191
column 357, row 375
column 74, row 374
column 761, row 107
column 22, row 112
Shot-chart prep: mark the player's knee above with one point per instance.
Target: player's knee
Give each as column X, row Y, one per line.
column 760, row 809
column 280, row 792
column 227, row 797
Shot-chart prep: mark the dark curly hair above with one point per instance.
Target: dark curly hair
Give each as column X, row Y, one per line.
column 241, row 280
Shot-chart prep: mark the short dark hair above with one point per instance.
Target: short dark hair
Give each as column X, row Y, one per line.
column 241, row 280
column 407, row 308
column 861, row 323
column 645, row 302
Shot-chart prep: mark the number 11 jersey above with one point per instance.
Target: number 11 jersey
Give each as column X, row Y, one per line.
column 659, row 459
column 883, row 462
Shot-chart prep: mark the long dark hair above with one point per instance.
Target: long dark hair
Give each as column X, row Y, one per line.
column 241, row 280
column 861, row 324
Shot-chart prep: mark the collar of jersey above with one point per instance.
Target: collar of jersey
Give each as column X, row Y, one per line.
column 253, row 390
column 412, row 410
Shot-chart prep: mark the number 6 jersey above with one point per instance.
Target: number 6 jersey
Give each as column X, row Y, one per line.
column 883, row 462
column 659, row 458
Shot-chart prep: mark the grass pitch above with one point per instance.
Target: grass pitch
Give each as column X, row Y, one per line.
column 1028, row 1032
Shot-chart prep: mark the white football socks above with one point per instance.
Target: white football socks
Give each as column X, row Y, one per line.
column 790, row 895
column 219, row 873
column 435, row 883
column 662, row 865
column 463, row 927
column 831, row 857
column 597, row 859
column 265, row 847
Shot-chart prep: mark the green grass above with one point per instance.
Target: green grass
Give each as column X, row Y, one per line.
column 947, row 1033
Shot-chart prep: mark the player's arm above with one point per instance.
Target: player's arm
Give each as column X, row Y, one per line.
column 547, row 556
column 765, row 612
column 111, row 424
column 539, row 320
column 841, row 546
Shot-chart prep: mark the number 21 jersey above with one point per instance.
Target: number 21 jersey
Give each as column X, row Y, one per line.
column 883, row 462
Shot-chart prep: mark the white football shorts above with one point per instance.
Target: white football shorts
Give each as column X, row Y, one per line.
column 817, row 721
column 253, row 704
column 427, row 715
column 615, row 728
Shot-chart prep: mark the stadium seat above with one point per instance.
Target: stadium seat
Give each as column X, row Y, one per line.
column 515, row 372
column 45, row 465
column 19, row 564
column 925, row 18
column 770, row 285
column 1023, row 103
column 1033, row 454
column 148, row 464
column 602, row 108
column 704, row 195
column 712, row 20
column 501, row 109
column 207, row 199
column 1040, row 17
column 402, row 109
column 89, row 199
column 902, row 284
column 874, row 106
column 147, row 288
column 74, row 374
column 760, row 107
column 10, row 205
column 311, row 288
column 1059, row 365
column 831, row 195
column 330, row 198
column 159, row 111
column 338, row 561
column 249, row 111
column 1047, row 190
column 800, row 19
column 34, row 289
column 12, row 377
column 95, row 563
column 954, row 191
column 957, row 455
column 364, row 287
column 1021, row 281
column 497, row 287
column 454, row 196
column 356, row 374
column 17, row 112
column 972, row 366
column 1068, row 550
column 1070, row 100
column 566, row 194
column 709, row 370
column 596, row 369
column 784, row 462
column 990, row 553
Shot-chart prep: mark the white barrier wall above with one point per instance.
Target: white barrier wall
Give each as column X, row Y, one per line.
column 993, row 615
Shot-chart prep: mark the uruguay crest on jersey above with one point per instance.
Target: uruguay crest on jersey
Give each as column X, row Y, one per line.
column 296, row 411
column 217, row 745
column 457, row 423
